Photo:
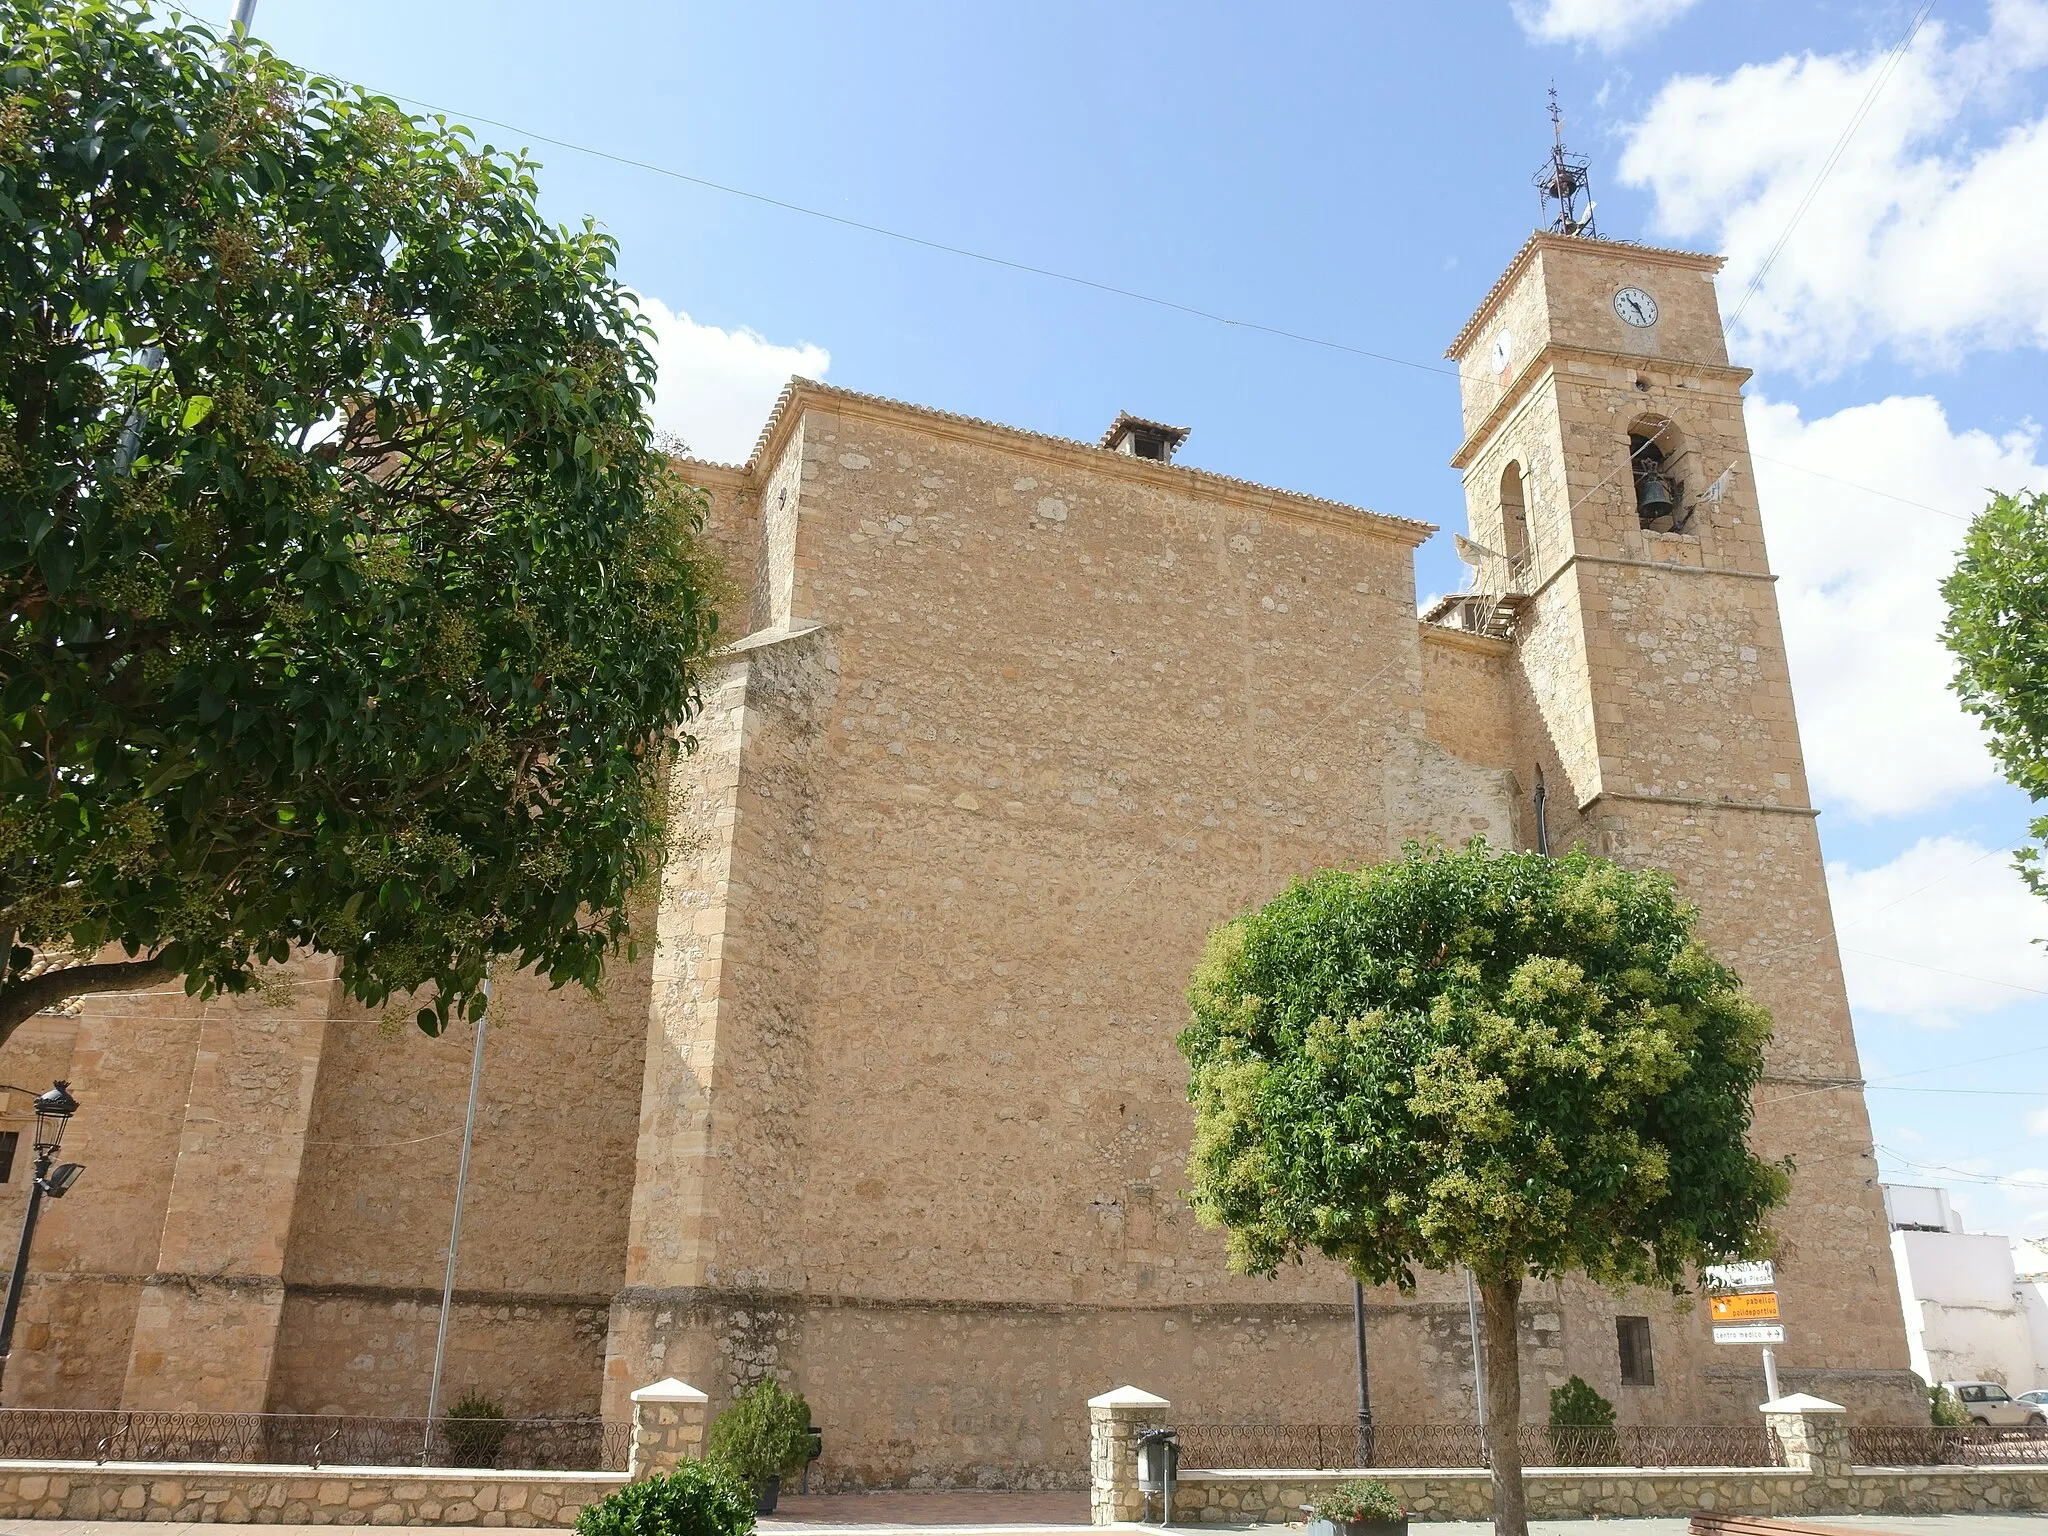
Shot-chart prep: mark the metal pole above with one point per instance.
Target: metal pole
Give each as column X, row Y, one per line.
column 245, row 16
column 1542, row 800
column 20, row 1276
column 1478, row 1366
column 1770, row 1375
column 476, row 1073
column 1364, row 1396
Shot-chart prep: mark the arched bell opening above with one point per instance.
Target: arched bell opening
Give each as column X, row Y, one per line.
column 1653, row 455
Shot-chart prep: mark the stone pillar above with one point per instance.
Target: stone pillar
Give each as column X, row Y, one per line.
column 206, row 1323
column 1115, row 1420
column 668, row 1428
column 1815, row 1435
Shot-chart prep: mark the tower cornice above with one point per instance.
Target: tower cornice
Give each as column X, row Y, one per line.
column 1544, row 240
column 1547, row 361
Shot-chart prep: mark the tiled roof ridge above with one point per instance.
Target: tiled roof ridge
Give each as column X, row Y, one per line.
column 1551, row 237
column 797, row 382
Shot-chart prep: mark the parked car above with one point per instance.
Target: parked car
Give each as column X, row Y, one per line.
column 1986, row 1402
column 2038, row 1395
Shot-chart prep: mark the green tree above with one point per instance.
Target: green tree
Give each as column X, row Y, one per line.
column 346, row 603
column 1998, row 629
column 1522, row 1065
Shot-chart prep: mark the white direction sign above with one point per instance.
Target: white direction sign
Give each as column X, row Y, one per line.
column 1759, row 1275
column 1750, row 1333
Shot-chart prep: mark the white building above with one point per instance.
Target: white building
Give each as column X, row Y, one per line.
column 1969, row 1315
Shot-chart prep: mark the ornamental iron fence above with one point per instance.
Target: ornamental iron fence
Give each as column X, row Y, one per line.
column 1335, row 1447
column 313, row 1440
column 1970, row 1445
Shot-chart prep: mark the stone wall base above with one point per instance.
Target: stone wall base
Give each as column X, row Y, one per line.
column 1273, row 1497
column 83, row 1490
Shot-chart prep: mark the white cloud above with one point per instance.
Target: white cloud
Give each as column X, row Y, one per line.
column 714, row 388
column 1859, row 590
column 1921, row 236
column 1947, row 928
column 1606, row 24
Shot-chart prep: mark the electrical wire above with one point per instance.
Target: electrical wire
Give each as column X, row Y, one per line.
column 1871, row 954
column 1138, row 295
column 1834, row 158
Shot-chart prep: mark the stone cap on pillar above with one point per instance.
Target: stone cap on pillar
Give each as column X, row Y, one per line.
column 670, row 1390
column 1128, row 1397
column 1801, row 1402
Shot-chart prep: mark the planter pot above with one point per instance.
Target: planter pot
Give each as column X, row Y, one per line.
column 764, row 1495
column 1358, row 1527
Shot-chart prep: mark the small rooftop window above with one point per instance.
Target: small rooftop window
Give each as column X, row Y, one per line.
column 1141, row 439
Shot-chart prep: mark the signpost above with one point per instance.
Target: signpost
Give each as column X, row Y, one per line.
column 1758, row 1276
column 1748, row 1307
column 1745, row 1310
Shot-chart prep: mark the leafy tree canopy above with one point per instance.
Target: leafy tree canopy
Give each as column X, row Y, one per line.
column 345, row 602
column 1517, row 1064
column 1998, row 629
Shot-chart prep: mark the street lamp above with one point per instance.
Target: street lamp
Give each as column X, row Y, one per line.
column 53, row 1113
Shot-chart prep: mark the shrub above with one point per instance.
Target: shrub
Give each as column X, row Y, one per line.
column 1582, row 1427
column 765, row 1433
column 1944, row 1410
column 1368, row 1499
column 697, row 1499
column 1577, row 1406
column 476, row 1427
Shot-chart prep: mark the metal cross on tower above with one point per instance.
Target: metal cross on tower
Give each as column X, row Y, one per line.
column 1563, row 182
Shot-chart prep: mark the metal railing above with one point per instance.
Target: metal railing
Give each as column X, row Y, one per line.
column 313, row 1440
column 1879, row 1445
column 1331, row 1447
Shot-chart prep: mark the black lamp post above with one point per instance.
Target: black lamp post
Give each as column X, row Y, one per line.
column 1364, row 1391
column 53, row 1113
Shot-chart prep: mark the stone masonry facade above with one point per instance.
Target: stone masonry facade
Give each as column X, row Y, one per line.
column 891, row 1108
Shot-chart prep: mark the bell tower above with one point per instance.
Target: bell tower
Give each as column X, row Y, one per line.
column 1614, row 523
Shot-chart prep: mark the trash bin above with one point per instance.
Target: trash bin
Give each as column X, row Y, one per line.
column 1158, row 1465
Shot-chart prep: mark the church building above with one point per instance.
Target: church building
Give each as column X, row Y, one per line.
column 892, row 1109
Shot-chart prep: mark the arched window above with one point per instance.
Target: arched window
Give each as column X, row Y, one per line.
column 1653, row 454
column 1514, row 516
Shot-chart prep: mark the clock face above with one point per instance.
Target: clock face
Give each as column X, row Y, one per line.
column 1503, row 349
column 1635, row 307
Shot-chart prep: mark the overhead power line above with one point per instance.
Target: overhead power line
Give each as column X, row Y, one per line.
column 946, row 248
column 1116, row 290
column 1834, row 158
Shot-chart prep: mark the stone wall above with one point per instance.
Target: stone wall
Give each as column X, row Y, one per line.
column 73, row 1490
column 1276, row 1497
column 1817, row 1478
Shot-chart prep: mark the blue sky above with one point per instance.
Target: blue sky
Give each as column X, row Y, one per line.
column 1360, row 173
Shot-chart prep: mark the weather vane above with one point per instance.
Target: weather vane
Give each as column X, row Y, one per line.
column 1564, row 181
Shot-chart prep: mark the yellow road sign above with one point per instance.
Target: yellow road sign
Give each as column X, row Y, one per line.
column 1748, row 1307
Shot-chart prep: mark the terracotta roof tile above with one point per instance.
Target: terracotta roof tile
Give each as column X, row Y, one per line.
column 799, row 385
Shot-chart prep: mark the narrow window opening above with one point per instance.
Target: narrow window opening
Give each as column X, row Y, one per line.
column 1514, row 519
column 1632, row 1335
column 1657, row 490
column 9, row 1141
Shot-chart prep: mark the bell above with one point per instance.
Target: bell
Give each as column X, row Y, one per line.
column 1654, row 500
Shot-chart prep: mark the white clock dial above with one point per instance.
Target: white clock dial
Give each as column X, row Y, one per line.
column 1503, row 349
column 1635, row 307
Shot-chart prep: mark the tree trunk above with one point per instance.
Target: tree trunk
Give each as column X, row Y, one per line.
column 1500, row 1303
column 21, row 1001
